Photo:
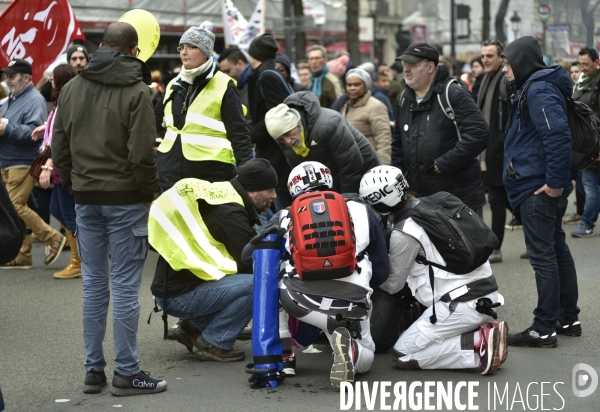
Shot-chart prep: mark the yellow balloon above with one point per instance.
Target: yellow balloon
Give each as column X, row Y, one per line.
column 147, row 29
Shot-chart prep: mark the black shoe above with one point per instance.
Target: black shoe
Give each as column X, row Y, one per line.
column 531, row 338
column 184, row 333
column 94, row 381
column 140, row 384
column 569, row 329
column 514, row 224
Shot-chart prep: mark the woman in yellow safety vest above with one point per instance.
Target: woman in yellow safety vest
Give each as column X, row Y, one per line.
column 202, row 118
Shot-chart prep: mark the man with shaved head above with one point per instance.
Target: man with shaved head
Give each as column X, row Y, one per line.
column 103, row 148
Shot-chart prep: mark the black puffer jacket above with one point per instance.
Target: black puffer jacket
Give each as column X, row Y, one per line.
column 332, row 141
column 265, row 94
column 424, row 137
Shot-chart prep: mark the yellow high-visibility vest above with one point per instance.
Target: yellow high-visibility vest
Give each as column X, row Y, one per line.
column 178, row 233
column 203, row 136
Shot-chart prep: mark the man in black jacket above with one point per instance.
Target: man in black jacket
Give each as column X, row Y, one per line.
column 494, row 101
column 426, row 144
column 266, row 89
column 200, row 276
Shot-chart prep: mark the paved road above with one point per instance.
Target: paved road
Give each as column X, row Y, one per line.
column 41, row 353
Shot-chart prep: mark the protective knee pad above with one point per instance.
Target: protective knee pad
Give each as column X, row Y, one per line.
column 400, row 364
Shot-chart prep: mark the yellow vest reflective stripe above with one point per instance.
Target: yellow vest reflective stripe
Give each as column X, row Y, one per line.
column 178, row 233
column 203, row 136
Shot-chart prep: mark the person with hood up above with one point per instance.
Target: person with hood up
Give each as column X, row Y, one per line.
column 307, row 132
column 206, row 134
column 434, row 153
column 537, row 164
column 107, row 161
column 284, row 67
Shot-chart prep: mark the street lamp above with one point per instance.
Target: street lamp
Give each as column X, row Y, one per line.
column 374, row 8
column 515, row 22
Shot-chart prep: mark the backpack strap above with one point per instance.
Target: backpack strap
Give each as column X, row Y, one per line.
column 286, row 85
column 422, row 260
column 444, row 100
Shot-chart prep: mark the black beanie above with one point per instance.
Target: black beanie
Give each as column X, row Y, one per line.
column 77, row 47
column 256, row 175
column 264, row 47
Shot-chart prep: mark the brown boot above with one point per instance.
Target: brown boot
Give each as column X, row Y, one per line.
column 73, row 269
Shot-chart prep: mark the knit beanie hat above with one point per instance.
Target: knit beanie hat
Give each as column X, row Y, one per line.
column 264, row 47
column 362, row 75
column 283, row 59
column 77, row 47
column 281, row 119
column 202, row 37
column 256, row 175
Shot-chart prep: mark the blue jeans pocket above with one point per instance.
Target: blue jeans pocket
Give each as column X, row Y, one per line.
column 138, row 244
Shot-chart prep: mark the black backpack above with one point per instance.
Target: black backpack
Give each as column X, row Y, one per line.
column 457, row 232
column 585, row 130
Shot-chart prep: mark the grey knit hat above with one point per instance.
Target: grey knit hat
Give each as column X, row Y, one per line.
column 201, row 37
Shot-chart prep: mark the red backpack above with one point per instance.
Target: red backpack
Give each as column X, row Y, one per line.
column 322, row 241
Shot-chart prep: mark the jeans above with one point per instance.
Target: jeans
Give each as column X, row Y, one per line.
column 62, row 207
column 122, row 232
column 498, row 201
column 549, row 254
column 589, row 178
column 220, row 309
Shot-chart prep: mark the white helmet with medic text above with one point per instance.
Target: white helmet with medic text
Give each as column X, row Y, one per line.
column 309, row 176
column 383, row 187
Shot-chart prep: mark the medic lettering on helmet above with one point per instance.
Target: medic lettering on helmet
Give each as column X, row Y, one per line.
column 378, row 195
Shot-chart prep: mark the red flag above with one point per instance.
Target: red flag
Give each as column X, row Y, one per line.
column 37, row 31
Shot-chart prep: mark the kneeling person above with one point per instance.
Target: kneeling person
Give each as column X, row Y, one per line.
column 443, row 337
column 199, row 229
column 328, row 275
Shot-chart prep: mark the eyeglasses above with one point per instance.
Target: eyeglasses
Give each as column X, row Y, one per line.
column 494, row 42
column 505, row 63
column 186, row 47
column 138, row 51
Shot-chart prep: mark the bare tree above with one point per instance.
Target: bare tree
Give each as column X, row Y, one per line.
column 485, row 25
column 587, row 15
column 352, row 10
column 300, row 35
column 499, row 22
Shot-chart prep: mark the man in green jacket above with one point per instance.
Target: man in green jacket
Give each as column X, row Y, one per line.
column 103, row 141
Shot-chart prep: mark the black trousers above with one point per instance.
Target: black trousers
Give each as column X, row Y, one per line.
column 498, row 204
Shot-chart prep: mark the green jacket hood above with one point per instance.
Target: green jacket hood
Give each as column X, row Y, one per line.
column 109, row 66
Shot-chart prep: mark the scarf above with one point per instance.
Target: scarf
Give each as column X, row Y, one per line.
column 188, row 75
column 303, row 150
column 485, row 100
column 48, row 133
column 316, row 80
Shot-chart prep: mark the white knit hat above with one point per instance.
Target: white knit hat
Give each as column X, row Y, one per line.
column 202, row 37
column 281, row 119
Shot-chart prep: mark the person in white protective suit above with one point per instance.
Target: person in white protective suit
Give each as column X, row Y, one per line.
column 464, row 334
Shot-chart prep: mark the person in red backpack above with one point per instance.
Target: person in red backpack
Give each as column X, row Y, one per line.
column 327, row 290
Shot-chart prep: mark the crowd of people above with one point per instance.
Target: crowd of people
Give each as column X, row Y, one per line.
column 249, row 145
